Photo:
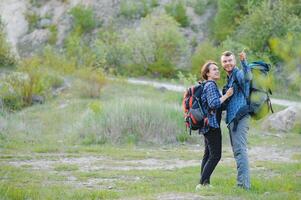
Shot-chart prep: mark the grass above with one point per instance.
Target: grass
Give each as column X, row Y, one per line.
column 44, row 154
column 146, row 184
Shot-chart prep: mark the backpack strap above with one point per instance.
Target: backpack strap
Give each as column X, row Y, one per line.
column 236, row 81
column 243, row 111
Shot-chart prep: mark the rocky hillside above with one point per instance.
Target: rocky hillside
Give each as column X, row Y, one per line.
column 30, row 24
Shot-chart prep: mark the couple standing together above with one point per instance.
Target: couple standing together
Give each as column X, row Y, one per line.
column 213, row 103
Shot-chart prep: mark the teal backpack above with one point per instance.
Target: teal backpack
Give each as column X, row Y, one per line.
column 258, row 101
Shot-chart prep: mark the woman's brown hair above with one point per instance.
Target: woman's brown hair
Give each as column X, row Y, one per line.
column 205, row 69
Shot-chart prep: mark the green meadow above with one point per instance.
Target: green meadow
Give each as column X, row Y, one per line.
column 131, row 143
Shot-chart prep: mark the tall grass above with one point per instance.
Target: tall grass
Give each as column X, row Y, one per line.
column 134, row 120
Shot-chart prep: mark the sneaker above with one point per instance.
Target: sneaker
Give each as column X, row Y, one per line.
column 200, row 186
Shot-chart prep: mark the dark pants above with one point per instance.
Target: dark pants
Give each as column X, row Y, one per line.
column 212, row 154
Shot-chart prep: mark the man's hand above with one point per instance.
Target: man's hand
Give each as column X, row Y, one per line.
column 242, row 55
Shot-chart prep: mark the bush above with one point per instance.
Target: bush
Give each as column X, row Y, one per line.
column 11, row 90
column 18, row 88
column 199, row 6
column 58, row 61
column 156, row 46
column 111, row 51
column 84, row 19
column 90, row 83
column 228, row 17
column 269, row 20
column 79, row 51
column 53, row 37
column 6, row 56
column 187, row 80
column 178, row 11
column 32, row 19
column 205, row 51
column 132, row 9
column 290, row 58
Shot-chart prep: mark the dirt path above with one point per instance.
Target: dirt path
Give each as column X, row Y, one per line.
column 68, row 167
column 181, row 88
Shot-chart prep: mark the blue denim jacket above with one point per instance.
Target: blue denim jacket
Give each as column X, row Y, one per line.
column 238, row 99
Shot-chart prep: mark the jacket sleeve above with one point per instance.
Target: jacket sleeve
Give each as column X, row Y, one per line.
column 247, row 74
column 213, row 96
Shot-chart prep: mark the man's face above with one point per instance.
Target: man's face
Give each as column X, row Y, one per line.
column 228, row 63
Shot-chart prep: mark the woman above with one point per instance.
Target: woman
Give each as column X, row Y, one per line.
column 211, row 103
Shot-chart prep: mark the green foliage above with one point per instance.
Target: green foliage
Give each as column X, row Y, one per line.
column 178, row 11
column 111, row 51
column 205, row 51
column 188, row 80
column 132, row 9
column 53, row 36
column 291, row 59
column 92, row 80
column 78, row 49
column 199, row 6
column 84, row 19
column 182, row 138
column 228, row 16
column 58, row 61
column 156, row 47
column 6, row 56
column 96, row 107
column 264, row 22
column 32, row 19
column 32, row 78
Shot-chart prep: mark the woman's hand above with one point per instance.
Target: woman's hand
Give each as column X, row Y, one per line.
column 229, row 92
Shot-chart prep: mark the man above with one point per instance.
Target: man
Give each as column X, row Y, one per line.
column 239, row 79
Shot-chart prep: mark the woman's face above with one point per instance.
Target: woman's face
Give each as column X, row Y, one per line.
column 213, row 73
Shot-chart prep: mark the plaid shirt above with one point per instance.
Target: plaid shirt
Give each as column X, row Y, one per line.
column 210, row 100
column 237, row 100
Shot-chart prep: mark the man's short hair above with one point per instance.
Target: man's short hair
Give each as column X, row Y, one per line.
column 227, row 53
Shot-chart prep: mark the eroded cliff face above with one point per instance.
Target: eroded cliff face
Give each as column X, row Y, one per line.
column 26, row 39
column 12, row 14
column 28, row 22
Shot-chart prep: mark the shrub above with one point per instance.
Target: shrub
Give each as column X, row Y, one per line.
column 10, row 90
column 79, row 51
column 6, row 56
column 90, row 83
column 205, row 51
column 187, row 80
column 178, row 11
column 199, row 6
column 132, row 9
column 228, row 16
column 58, row 61
column 156, row 46
column 290, row 58
column 35, row 84
column 111, row 51
column 53, row 36
column 84, row 19
column 32, row 19
column 31, row 78
column 269, row 20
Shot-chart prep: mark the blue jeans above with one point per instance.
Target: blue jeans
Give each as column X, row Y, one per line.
column 239, row 147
